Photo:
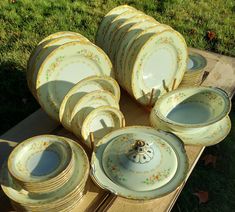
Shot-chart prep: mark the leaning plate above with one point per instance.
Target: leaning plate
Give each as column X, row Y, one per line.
column 160, row 61
column 64, row 67
column 81, row 170
column 39, row 159
column 86, row 104
column 41, row 55
column 100, row 122
column 83, row 87
column 108, row 18
column 139, row 163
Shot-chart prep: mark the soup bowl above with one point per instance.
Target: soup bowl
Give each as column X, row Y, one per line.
column 190, row 108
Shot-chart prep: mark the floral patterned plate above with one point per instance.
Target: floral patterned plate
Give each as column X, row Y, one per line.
column 86, row 104
column 139, row 162
column 162, row 58
column 101, row 121
column 125, row 43
column 108, row 18
column 87, row 85
column 41, row 55
column 64, row 67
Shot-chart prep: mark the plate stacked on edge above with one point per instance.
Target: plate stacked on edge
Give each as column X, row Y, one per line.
column 45, row 173
column 72, row 80
column 91, row 109
column 149, row 58
column 58, row 63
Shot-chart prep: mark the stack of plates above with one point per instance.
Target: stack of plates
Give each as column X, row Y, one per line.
column 91, row 109
column 58, row 63
column 195, row 70
column 149, row 58
column 72, row 80
column 198, row 115
column 45, row 173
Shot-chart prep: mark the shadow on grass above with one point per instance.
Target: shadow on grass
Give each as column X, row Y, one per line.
column 16, row 100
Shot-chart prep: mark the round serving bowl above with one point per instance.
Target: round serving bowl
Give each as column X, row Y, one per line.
column 40, row 162
column 190, row 108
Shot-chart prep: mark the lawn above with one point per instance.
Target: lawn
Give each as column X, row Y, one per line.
column 207, row 25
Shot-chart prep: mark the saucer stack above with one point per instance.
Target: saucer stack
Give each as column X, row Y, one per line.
column 195, row 70
column 45, row 172
column 149, row 58
column 71, row 78
column 197, row 115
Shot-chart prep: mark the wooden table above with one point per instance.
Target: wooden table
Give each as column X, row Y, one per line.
column 221, row 73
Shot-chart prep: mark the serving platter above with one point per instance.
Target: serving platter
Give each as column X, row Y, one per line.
column 64, row 67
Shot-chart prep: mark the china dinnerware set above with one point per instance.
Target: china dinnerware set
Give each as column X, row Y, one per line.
column 45, row 173
column 149, row 58
column 72, row 80
column 195, row 70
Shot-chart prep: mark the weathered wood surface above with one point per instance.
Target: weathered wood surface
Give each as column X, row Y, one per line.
column 221, row 71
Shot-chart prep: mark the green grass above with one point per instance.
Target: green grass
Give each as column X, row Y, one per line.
column 24, row 23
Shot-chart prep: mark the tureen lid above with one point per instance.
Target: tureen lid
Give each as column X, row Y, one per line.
column 139, row 162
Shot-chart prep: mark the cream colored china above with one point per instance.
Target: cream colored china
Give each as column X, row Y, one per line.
column 115, row 24
column 41, row 56
column 123, row 29
column 40, row 159
column 83, row 87
column 191, row 108
column 60, row 34
column 101, row 121
column 135, row 47
column 86, row 104
column 195, row 70
column 124, row 45
column 146, row 164
column 52, row 199
column 64, row 67
column 165, row 50
column 108, row 18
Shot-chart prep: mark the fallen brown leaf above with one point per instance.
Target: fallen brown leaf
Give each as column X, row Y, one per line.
column 203, row 196
column 210, row 35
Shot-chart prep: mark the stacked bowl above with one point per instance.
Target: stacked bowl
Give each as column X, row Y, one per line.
column 198, row 115
column 71, row 78
column 195, row 70
column 149, row 58
column 45, row 172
